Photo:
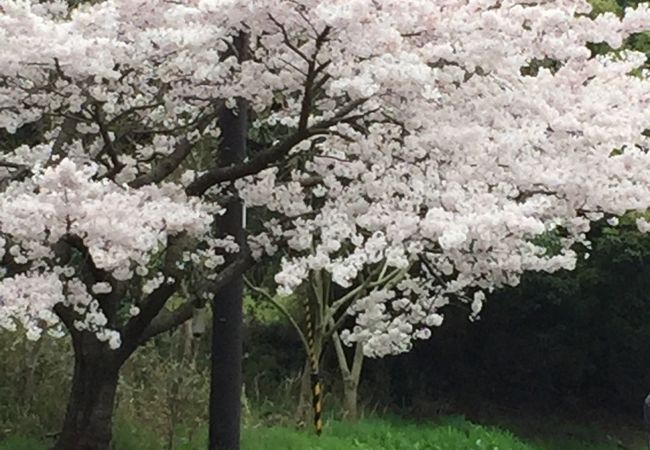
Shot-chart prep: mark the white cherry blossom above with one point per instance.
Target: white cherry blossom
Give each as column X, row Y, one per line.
column 437, row 140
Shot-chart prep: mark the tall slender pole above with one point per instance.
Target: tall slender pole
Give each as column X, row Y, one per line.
column 226, row 377
column 646, row 417
column 312, row 354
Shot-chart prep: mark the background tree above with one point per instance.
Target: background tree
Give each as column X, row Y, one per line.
column 324, row 315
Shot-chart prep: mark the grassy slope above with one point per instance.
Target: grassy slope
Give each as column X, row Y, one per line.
column 448, row 434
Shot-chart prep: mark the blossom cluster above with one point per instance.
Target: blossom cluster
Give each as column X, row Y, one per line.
column 435, row 139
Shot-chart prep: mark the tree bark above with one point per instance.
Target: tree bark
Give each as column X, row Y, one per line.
column 351, row 377
column 351, row 399
column 88, row 421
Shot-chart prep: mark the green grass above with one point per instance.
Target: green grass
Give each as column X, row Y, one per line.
column 379, row 435
column 18, row 443
column 447, row 434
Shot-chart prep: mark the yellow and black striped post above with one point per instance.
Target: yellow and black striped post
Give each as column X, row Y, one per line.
column 317, row 392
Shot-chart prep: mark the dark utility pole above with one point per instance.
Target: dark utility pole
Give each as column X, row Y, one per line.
column 226, row 381
column 646, row 417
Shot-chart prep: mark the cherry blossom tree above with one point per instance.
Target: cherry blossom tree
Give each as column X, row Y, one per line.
column 439, row 138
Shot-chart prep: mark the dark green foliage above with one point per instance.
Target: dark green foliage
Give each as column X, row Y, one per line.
column 34, row 378
column 638, row 42
column 273, row 353
column 164, row 387
column 560, row 340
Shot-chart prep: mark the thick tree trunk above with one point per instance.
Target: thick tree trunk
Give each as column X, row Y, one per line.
column 88, row 421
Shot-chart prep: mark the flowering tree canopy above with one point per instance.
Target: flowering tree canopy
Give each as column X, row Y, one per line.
column 433, row 139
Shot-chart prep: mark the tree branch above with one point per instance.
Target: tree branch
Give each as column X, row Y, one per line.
column 109, row 303
column 156, row 300
column 169, row 164
column 167, row 320
column 340, row 355
column 357, row 362
column 266, row 157
column 109, row 144
column 66, row 314
column 282, row 310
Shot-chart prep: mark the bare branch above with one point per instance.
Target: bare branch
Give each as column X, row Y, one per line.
column 11, row 165
column 287, row 40
column 109, row 144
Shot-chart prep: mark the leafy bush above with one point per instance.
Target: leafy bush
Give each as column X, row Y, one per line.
column 33, row 376
column 163, row 388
